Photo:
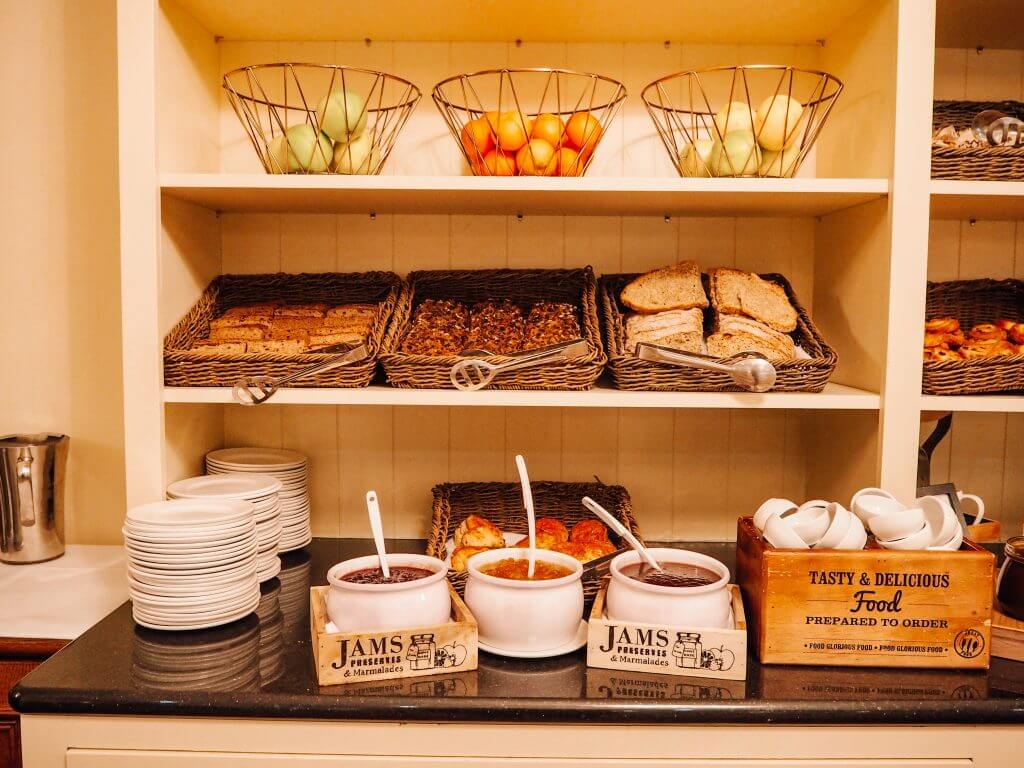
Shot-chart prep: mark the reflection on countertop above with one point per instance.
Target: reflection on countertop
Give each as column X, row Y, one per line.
column 262, row 666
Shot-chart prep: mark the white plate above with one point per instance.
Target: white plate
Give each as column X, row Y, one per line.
column 181, row 547
column 270, row 458
column 203, row 624
column 187, row 590
column 293, row 545
column 203, row 581
column 248, row 486
column 170, row 536
column 573, row 645
column 511, row 539
column 197, row 603
column 217, row 568
column 271, row 572
column 178, row 513
column 199, row 556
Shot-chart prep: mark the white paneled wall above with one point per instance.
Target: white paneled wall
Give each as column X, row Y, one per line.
column 983, row 451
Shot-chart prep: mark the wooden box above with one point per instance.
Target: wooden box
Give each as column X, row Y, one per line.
column 348, row 657
column 873, row 607
column 658, row 649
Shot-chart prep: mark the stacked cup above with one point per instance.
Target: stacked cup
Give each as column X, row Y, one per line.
column 926, row 525
column 262, row 491
column 815, row 524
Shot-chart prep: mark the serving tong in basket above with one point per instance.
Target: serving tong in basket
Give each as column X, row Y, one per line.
column 471, row 374
column 750, row 370
column 259, row 389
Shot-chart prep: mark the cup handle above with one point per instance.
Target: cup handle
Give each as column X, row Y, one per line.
column 978, row 502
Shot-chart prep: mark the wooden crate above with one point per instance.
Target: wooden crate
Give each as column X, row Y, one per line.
column 623, row 684
column 348, row 657
column 664, row 650
column 1007, row 636
column 874, row 607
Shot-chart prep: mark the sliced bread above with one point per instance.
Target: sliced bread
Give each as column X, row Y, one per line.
column 681, row 329
column 675, row 287
column 736, row 292
column 734, row 334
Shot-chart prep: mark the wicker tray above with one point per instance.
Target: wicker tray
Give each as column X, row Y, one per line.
column 523, row 286
column 630, row 373
column 973, row 302
column 502, row 504
column 184, row 368
column 980, row 163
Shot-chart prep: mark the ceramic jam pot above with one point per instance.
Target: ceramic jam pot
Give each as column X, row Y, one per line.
column 422, row 602
column 520, row 615
column 631, row 600
column 1010, row 581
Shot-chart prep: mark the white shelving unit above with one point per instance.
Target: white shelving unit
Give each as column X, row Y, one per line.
column 851, row 233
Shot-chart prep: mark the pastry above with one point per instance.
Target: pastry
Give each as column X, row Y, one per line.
column 276, row 347
column 555, row 528
column 439, row 327
column 734, row 334
column 942, row 325
column 675, row 287
column 1005, row 323
column 979, row 348
column 249, row 332
column 497, row 326
column 476, row 531
column 588, row 530
column 263, row 310
column 461, row 556
column 681, row 329
column 987, row 332
column 735, row 292
column 940, row 354
column 208, row 347
column 550, row 323
column 1016, row 333
column 328, row 338
column 301, row 310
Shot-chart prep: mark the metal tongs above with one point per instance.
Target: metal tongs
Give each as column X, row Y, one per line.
column 750, row 370
column 259, row 389
column 471, row 375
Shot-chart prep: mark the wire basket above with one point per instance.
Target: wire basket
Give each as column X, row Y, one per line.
column 759, row 120
column 320, row 118
column 529, row 122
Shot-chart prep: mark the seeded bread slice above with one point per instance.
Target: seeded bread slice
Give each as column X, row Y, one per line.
column 681, row 329
column 736, row 292
column 675, row 287
column 734, row 334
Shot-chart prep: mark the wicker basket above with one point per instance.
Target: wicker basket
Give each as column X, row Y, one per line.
column 973, row 302
column 523, row 286
column 631, row 373
column 979, row 163
column 185, row 368
column 502, row 504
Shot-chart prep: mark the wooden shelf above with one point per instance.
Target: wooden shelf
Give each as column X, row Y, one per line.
column 974, row 403
column 733, row 21
column 985, row 200
column 835, row 397
column 250, row 193
column 974, row 23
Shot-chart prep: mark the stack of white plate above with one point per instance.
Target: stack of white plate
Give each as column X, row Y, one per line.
column 271, row 647
column 294, row 597
column 217, row 660
column 191, row 563
column 262, row 491
column 291, row 468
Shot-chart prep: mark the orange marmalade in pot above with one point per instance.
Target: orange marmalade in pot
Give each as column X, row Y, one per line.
column 516, row 568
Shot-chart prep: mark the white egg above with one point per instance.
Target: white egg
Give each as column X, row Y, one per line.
column 735, row 117
column 277, row 151
column 341, row 115
column 308, row 150
column 777, row 122
column 779, row 163
column 358, row 156
column 695, row 159
column 738, row 155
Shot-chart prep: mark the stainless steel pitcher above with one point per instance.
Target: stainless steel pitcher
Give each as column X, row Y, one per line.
column 32, row 473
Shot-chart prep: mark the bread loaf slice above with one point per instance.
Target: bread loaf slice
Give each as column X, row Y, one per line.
column 736, row 292
column 734, row 334
column 277, row 346
column 207, row 347
column 681, row 329
column 251, row 332
column 675, row 287
column 318, row 309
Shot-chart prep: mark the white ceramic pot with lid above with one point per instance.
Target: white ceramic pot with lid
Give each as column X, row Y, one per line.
column 708, row 605
column 355, row 607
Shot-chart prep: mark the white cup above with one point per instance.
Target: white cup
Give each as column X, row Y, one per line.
column 953, row 544
column 809, row 523
column 977, row 502
column 839, row 520
column 771, row 508
column 898, row 524
column 940, row 518
column 870, row 506
column 919, row 540
column 781, row 535
column 856, row 536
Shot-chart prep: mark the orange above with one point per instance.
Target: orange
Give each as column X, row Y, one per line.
column 499, row 163
column 476, row 139
column 537, row 158
column 513, row 131
column 568, row 162
column 550, row 128
column 584, row 131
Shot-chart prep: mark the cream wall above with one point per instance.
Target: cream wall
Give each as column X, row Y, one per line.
column 60, row 330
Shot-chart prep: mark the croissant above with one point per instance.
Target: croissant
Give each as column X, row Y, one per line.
column 476, row 531
column 942, row 325
column 461, row 556
column 987, row 332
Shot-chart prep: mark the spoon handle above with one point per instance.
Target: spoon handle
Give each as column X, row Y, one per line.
column 608, row 519
column 373, row 508
column 531, row 519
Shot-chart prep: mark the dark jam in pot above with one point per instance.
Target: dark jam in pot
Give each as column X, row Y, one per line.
column 1010, row 582
column 671, row 575
column 399, row 575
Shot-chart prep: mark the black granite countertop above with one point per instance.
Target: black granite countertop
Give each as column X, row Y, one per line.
column 262, row 666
